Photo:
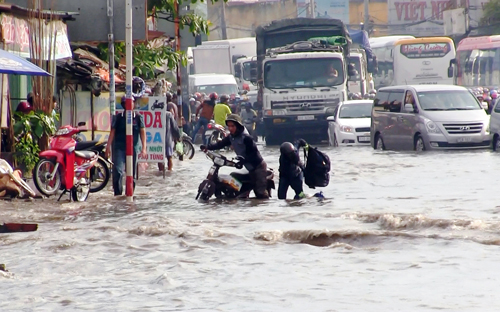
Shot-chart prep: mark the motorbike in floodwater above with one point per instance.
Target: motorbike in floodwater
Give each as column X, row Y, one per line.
column 233, row 185
column 63, row 167
column 215, row 132
column 187, row 148
column 100, row 173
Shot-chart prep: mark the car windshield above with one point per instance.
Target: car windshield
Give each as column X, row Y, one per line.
column 220, row 89
column 303, row 73
column 360, row 110
column 448, row 100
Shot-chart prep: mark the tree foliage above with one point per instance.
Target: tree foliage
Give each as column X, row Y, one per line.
column 490, row 21
column 146, row 57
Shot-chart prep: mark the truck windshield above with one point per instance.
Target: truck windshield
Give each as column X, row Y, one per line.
column 220, row 89
column 303, row 73
column 357, row 65
column 447, row 100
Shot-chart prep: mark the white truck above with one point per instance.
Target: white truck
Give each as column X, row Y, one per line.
column 223, row 57
column 300, row 82
column 243, row 71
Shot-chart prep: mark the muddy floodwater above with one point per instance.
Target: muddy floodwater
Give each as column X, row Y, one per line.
column 396, row 232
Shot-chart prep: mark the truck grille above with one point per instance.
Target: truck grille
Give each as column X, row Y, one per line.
column 363, row 129
column 305, row 105
column 463, row 128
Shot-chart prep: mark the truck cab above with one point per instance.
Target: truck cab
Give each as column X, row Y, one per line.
column 302, row 85
column 362, row 82
column 242, row 73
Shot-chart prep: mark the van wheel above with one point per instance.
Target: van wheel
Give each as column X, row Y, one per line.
column 496, row 144
column 379, row 143
column 419, row 144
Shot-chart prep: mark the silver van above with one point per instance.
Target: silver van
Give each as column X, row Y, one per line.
column 423, row 117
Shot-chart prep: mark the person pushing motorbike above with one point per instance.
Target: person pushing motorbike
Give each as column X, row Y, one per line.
column 291, row 168
column 244, row 145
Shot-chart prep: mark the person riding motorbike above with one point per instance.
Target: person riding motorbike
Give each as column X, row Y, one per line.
column 244, row 145
column 291, row 168
column 207, row 111
column 249, row 117
column 222, row 110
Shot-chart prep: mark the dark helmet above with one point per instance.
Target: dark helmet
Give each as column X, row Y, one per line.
column 224, row 98
column 287, row 148
column 235, row 118
column 213, row 96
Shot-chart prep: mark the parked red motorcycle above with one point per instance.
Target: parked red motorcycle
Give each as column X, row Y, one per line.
column 62, row 167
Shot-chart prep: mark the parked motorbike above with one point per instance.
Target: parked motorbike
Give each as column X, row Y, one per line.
column 100, row 172
column 187, row 148
column 63, row 167
column 215, row 132
column 233, row 185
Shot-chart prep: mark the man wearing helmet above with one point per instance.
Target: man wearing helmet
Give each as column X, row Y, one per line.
column 244, row 145
column 291, row 168
column 222, row 110
column 207, row 111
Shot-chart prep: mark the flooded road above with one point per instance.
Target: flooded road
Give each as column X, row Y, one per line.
column 396, row 232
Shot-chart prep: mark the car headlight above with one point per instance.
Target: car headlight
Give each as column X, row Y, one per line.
column 431, row 126
column 346, row 129
column 487, row 127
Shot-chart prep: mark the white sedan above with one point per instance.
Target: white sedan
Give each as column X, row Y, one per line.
column 350, row 124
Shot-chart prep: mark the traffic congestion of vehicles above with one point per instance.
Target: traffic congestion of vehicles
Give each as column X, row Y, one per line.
column 301, row 74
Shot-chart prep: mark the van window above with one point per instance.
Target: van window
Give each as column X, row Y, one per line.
column 381, row 101
column 395, row 101
column 497, row 107
column 410, row 99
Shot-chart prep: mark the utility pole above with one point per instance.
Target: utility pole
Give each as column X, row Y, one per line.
column 366, row 16
column 223, row 20
column 178, row 70
column 129, row 191
column 111, row 50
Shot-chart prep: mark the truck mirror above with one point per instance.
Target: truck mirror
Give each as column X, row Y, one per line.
column 450, row 71
column 237, row 71
column 253, row 75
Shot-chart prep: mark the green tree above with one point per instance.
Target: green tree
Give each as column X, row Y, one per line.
column 146, row 57
column 490, row 22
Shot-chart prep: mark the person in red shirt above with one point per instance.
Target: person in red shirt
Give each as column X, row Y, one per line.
column 207, row 111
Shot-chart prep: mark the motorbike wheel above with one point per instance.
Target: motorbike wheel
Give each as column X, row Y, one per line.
column 99, row 176
column 80, row 192
column 188, row 149
column 215, row 137
column 43, row 169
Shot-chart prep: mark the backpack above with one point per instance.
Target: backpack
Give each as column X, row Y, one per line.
column 316, row 172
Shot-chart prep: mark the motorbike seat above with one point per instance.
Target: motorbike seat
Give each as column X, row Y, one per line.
column 85, row 154
column 80, row 146
column 242, row 177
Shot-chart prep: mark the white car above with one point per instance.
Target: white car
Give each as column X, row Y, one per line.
column 350, row 124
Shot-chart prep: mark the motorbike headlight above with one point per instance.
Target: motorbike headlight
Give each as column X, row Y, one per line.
column 348, row 129
column 431, row 126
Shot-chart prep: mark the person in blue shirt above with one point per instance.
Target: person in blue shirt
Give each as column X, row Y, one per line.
column 117, row 141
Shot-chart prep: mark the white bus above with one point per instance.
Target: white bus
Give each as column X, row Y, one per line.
column 423, row 61
column 382, row 48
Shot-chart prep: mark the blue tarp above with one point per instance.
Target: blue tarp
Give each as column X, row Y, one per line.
column 13, row 64
column 361, row 37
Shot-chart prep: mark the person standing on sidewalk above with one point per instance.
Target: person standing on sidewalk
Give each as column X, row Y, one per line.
column 117, row 142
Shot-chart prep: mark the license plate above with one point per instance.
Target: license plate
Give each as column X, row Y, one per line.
column 464, row 140
column 364, row 139
column 306, row 117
